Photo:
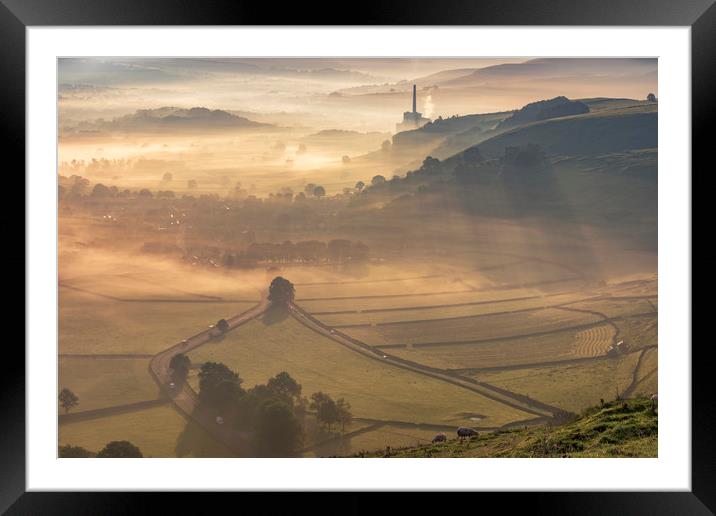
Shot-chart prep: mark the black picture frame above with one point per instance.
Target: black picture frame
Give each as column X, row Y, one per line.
column 16, row 15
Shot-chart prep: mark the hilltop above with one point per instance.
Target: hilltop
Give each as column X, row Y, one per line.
column 617, row 429
column 600, row 132
column 169, row 119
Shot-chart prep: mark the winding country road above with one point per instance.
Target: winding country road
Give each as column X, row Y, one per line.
column 186, row 399
column 539, row 409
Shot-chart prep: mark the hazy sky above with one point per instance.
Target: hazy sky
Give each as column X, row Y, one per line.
column 91, row 88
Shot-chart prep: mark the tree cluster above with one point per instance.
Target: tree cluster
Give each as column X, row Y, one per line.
column 113, row 450
column 330, row 412
column 273, row 413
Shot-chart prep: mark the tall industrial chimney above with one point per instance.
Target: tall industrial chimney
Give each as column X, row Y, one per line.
column 414, row 100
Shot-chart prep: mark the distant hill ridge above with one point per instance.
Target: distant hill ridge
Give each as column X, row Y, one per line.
column 169, row 118
column 544, row 110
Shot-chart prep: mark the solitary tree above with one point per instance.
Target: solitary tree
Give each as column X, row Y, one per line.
column 120, row 449
column 377, row 180
column 360, row 185
column 68, row 399
column 222, row 325
column 179, row 364
column 651, row 97
column 281, row 291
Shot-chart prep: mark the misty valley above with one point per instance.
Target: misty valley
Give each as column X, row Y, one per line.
column 358, row 258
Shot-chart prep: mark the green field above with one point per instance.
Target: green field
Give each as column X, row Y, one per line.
column 401, row 302
column 158, row 432
column 475, row 328
column 647, row 378
column 413, row 286
column 639, row 331
column 478, row 307
column 619, row 308
column 104, row 383
column 259, row 350
column 92, row 325
column 546, row 348
column 572, row 387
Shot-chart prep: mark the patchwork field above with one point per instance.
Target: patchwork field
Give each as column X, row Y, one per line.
column 478, row 307
column 476, row 328
column 92, row 325
column 262, row 348
column 386, row 288
column 571, row 387
column 619, row 307
column 545, row 340
column 382, row 303
column 101, row 383
column 501, row 353
column 640, row 331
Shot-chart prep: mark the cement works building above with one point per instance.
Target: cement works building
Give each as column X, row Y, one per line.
column 412, row 119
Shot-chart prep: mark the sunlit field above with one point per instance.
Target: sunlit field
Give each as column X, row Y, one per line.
column 264, row 347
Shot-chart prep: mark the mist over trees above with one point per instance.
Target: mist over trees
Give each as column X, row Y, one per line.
column 272, row 414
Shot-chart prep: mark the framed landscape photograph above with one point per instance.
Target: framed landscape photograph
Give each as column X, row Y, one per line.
column 373, row 257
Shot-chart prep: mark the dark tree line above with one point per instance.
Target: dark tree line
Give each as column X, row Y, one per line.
column 113, row 450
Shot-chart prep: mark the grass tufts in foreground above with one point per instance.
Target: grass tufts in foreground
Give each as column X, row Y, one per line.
column 616, row 429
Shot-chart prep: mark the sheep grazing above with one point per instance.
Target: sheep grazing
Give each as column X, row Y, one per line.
column 465, row 432
column 439, row 438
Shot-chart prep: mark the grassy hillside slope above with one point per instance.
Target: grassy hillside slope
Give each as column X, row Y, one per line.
column 618, row 429
column 601, row 132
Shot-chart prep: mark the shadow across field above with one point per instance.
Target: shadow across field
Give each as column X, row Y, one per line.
column 275, row 314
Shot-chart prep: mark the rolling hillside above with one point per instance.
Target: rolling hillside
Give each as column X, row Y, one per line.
column 618, row 429
column 602, row 132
